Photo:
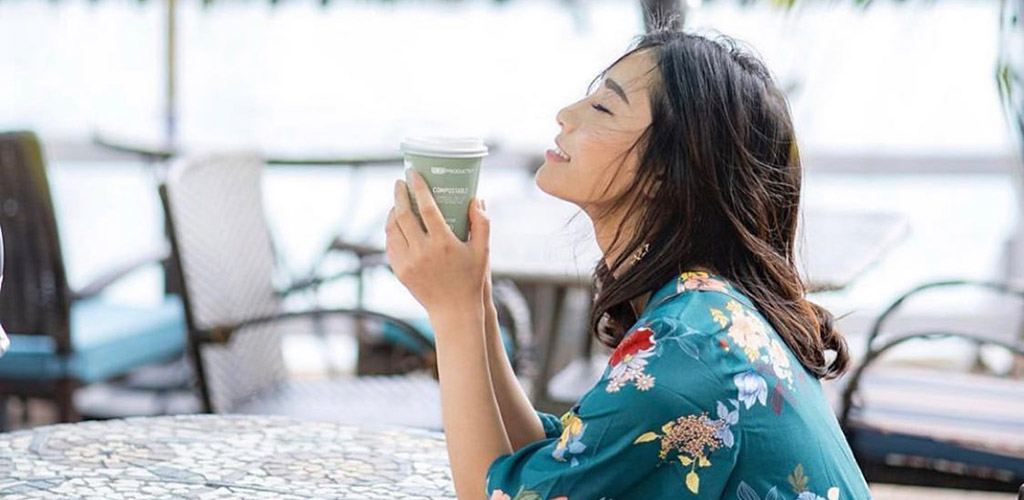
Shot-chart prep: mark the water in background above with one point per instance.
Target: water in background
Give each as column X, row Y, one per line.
column 903, row 78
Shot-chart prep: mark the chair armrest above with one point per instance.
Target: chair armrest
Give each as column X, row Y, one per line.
column 97, row 285
column 223, row 333
column 369, row 256
column 315, row 281
column 873, row 355
column 1001, row 287
column 360, row 249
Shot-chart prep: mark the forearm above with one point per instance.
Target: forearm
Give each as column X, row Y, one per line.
column 473, row 428
column 521, row 422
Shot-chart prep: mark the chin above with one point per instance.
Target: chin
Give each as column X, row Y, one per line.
column 558, row 181
column 544, row 181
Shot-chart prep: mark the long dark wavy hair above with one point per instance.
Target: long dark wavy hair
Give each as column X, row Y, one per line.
column 717, row 187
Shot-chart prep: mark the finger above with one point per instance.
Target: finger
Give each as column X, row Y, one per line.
column 479, row 226
column 395, row 237
column 406, row 219
column 432, row 216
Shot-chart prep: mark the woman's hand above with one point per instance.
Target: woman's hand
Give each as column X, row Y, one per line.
column 442, row 272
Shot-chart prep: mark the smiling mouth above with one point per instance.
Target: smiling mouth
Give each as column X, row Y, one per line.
column 561, row 154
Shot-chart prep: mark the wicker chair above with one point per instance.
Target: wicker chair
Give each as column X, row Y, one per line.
column 63, row 339
column 221, row 243
column 923, row 427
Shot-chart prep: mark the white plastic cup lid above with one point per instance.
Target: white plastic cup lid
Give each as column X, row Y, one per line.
column 447, row 147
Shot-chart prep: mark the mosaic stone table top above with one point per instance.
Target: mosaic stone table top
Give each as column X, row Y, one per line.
column 220, row 457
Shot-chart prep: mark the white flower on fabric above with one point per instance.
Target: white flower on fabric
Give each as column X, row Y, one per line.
column 631, row 365
column 751, row 387
column 748, row 332
column 779, row 359
column 614, row 385
column 809, row 495
column 644, row 382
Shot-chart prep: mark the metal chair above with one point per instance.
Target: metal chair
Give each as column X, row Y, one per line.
column 391, row 351
column 924, row 427
column 963, row 430
column 62, row 339
column 222, row 245
column 4, row 341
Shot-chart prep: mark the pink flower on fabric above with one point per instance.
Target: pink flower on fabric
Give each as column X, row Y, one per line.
column 500, row 495
column 699, row 280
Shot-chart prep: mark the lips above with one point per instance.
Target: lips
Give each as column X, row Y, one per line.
column 554, row 156
column 561, row 151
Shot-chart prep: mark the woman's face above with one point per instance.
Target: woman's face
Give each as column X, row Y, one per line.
column 597, row 131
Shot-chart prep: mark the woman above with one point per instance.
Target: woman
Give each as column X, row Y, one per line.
column 685, row 160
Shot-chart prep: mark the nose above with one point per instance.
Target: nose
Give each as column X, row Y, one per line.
column 564, row 119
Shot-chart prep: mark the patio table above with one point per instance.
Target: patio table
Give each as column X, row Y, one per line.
column 223, row 456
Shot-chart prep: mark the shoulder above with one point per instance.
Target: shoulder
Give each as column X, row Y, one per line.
column 676, row 345
column 700, row 303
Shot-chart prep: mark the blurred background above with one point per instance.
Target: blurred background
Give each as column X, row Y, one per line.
column 909, row 116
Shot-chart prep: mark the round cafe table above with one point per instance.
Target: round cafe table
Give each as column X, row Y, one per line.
column 218, row 456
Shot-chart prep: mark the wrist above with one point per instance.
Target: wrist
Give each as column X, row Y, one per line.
column 453, row 317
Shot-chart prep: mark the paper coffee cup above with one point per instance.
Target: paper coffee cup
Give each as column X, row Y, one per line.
column 451, row 167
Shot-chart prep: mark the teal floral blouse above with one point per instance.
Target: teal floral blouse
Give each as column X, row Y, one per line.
column 702, row 399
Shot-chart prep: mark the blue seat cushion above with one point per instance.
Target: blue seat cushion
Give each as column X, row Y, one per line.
column 107, row 340
column 398, row 336
column 968, row 423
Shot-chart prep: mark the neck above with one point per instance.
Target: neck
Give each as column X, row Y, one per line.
column 604, row 231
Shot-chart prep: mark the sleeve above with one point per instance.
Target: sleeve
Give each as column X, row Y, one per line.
column 552, row 424
column 660, row 423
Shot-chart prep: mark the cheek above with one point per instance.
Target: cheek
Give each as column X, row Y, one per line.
column 597, row 172
column 605, row 167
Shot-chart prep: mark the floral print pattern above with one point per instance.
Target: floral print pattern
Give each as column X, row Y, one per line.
column 571, row 441
column 766, row 354
column 523, row 494
column 745, row 330
column 797, row 480
column 689, row 425
column 693, row 437
column 751, row 387
column 699, row 280
column 629, row 359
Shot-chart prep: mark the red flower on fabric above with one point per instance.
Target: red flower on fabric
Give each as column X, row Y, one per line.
column 637, row 341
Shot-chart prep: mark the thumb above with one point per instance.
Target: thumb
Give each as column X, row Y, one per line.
column 479, row 225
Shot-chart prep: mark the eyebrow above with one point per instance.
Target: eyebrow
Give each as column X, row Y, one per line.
column 608, row 82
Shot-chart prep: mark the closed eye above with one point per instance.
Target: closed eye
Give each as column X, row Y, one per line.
column 601, row 108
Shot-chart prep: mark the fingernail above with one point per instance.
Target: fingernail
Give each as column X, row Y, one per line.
column 483, row 205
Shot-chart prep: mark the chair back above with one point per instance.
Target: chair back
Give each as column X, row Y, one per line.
column 222, row 247
column 4, row 342
column 1010, row 79
column 36, row 300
